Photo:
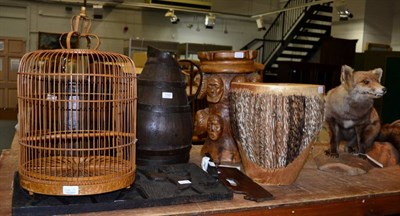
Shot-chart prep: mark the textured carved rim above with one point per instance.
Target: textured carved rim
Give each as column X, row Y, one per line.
column 227, row 55
column 283, row 88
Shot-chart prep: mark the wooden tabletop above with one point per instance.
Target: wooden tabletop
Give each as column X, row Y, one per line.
column 315, row 192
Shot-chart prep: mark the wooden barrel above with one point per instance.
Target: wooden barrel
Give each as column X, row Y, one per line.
column 165, row 125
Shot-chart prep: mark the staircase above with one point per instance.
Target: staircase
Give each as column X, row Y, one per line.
column 295, row 35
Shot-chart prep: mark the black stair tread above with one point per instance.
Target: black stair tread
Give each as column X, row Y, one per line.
column 310, row 34
column 321, row 17
column 293, row 60
column 299, row 53
column 316, row 26
column 300, row 41
column 283, row 55
column 299, row 49
column 323, row 8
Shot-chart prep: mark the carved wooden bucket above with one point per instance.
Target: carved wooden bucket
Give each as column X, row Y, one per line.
column 274, row 126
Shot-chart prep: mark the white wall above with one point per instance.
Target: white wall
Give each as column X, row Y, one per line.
column 155, row 26
column 378, row 22
column 372, row 23
column 27, row 19
column 353, row 28
column 395, row 43
column 13, row 21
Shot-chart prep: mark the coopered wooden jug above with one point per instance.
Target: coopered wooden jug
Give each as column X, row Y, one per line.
column 165, row 123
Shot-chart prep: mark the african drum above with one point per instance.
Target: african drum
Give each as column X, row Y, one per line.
column 274, row 126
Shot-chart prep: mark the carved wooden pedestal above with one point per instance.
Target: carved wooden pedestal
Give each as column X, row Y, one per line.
column 220, row 69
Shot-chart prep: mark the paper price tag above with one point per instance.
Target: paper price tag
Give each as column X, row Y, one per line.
column 71, row 190
column 204, row 163
column 239, row 55
column 167, row 95
column 184, row 182
column 320, row 89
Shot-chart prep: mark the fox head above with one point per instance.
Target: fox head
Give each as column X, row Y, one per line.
column 363, row 83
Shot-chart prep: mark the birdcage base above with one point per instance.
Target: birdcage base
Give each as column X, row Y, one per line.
column 75, row 176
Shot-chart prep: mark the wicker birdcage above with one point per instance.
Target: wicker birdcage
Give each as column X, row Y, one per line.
column 77, row 119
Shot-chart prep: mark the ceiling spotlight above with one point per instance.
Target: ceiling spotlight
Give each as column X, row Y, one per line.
column 172, row 17
column 98, row 11
column 209, row 22
column 260, row 24
column 344, row 13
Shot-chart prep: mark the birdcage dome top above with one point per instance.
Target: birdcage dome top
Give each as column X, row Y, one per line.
column 83, row 61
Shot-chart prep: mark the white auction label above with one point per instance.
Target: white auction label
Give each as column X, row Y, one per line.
column 167, row 95
column 184, row 182
column 71, row 190
column 239, row 55
column 204, row 163
column 320, row 89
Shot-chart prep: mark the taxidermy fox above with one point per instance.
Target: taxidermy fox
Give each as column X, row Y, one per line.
column 349, row 110
column 391, row 133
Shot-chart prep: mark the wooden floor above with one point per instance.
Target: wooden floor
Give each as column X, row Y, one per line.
column 315, row 192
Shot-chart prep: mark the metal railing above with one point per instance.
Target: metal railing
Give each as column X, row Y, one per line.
column 276, row 34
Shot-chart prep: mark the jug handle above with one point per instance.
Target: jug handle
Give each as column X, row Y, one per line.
column 191, row 98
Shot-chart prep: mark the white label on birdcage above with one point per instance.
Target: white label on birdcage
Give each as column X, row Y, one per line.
column 71, row 190
column 239, row 55
column 51, row 97
column 167, row 95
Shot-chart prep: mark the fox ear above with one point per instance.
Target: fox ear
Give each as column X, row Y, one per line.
column 378, row 72
column 347, row 74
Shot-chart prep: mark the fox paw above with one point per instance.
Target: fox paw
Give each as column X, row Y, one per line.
column 350, row 150
column 331, row 154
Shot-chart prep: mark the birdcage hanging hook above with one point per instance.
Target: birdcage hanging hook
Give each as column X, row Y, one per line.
column 80, row 28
